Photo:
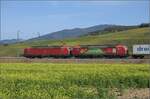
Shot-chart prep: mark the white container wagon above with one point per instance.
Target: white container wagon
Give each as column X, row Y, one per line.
column 141, row 50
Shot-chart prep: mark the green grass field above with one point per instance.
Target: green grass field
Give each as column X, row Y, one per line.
column 69, row 81
column 128, row 37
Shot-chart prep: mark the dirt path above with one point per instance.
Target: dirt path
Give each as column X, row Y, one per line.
column 135, row 94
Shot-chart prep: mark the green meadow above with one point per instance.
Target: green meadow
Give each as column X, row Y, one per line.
column 128, row 37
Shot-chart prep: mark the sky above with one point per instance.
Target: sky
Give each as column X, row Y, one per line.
column 30, row 17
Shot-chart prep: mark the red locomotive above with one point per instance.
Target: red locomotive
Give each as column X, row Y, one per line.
column 100, row 51
column 109, row 51
column 47, row 51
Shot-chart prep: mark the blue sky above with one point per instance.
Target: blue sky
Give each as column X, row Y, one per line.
column 30, row 17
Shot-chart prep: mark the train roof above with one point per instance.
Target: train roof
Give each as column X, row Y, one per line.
column 56, row 46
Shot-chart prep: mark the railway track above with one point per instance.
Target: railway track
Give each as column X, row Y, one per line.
column 72, row 60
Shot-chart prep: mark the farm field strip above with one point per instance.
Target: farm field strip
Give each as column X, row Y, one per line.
column 70, row 81
column 72, row 60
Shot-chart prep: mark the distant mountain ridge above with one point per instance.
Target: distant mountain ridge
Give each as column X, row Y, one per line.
column 111, row 30
column 10, row 41
column 73, row 33
column 78, row 32
column 97, row 29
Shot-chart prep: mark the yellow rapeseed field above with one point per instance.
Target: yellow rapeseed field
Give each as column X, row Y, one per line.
column 69, row 81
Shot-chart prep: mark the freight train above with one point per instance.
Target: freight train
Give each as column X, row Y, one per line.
column 87, row 51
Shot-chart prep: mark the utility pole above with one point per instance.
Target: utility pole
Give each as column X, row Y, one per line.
column 18, row 35
column 18, row 39
column 38, row 33
column 0, row 36
column 0, row 20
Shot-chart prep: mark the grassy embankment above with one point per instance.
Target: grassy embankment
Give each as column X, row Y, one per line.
column 129, row 37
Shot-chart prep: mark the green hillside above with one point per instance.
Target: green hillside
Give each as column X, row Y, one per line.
column 128, row 37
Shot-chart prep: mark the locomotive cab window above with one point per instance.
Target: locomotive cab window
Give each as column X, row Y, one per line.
column 114, row 50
